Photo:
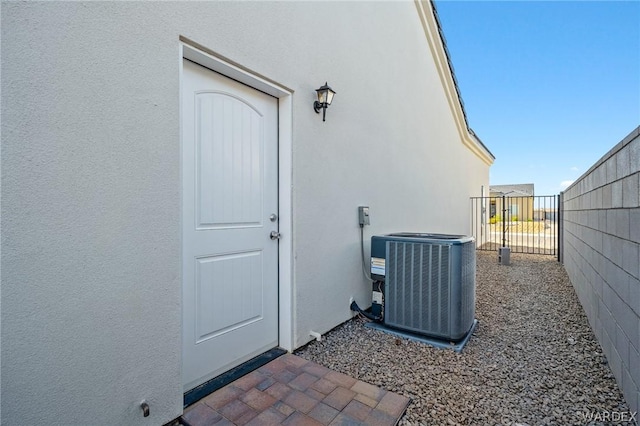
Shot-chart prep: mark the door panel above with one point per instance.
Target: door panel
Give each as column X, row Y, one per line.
column 224, row 308
column 230, row 188
column 230, row 167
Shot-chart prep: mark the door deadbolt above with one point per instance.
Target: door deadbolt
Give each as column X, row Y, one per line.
column 273, row 217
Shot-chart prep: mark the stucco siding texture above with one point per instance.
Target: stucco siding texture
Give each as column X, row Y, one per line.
column 91, row 181
column 601, row 256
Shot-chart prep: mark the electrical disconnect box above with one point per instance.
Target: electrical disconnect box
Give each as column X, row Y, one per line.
column 363, row 215
column 377, row 299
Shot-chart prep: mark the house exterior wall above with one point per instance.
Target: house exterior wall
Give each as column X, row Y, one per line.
column 522, row 205
column 91, row 191
column 601, row 221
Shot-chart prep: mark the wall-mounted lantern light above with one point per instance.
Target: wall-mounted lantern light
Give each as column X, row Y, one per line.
column 325, row 96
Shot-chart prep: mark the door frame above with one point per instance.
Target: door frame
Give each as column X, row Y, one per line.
column 209, row 59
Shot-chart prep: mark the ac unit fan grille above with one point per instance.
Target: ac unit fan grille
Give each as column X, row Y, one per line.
column 430, row 288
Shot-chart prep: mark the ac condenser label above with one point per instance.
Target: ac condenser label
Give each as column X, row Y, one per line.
column 377, row 266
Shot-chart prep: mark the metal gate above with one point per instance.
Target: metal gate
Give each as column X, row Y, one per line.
column 525, row 224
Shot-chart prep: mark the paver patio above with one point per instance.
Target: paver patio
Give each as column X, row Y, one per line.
column 293, row 391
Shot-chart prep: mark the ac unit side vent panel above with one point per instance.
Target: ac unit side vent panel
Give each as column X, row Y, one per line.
column 468, row 285
column 430, row 288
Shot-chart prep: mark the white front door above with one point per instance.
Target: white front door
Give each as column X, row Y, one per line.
column 230, row 208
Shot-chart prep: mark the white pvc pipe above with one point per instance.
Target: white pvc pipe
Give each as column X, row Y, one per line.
column 315, row 334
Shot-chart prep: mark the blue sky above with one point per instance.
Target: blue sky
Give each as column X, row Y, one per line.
column 549, row 87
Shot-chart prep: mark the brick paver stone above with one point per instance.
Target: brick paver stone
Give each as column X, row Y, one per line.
column 303, row 381
column 249, row 381
column 315, row 394
column 273, row 367
column 285, row 376
column 265, row 383
column 257, row 400
column 235, row 410
column 393, row 404
column 325, row 386
column 357, row 410
column 283, row 408
column 201, row 414
column 315, row 369
column 340, row 379
column 300, row 401
column 379, row 418
column 366, row 400
column 344, row 420
column 299, row 419
column 268, row 418
column 222, row 397
column 339, row 398
column 373, row 392
column 323, row 413
column 294, row 361
column 245, row 418
column 278, row 390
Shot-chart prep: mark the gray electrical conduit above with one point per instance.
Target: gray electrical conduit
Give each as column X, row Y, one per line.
column 364, row 266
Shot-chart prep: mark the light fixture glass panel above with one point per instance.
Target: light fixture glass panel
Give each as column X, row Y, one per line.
column 322, row 96
column 329, row 96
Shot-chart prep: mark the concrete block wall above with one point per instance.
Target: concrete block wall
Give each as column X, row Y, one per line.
column 601, row 254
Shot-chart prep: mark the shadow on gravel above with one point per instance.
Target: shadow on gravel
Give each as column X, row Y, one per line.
column 532, row 360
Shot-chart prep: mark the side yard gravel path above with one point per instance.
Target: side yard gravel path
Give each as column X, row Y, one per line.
column 532, row 360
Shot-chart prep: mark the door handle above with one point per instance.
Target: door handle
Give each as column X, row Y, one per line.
column 275, row 235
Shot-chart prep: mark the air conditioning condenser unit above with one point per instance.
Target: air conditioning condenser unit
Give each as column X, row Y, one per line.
column 429, row 283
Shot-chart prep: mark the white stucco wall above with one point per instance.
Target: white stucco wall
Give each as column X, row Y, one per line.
column 91, row 285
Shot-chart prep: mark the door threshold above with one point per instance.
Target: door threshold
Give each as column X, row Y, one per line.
column 207, row 388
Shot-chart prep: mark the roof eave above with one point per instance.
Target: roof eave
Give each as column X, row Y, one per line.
column 435, row 37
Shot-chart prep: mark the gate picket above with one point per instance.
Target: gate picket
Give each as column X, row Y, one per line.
column 526, row 224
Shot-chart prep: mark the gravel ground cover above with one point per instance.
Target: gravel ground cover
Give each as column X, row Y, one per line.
column 532, row 360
